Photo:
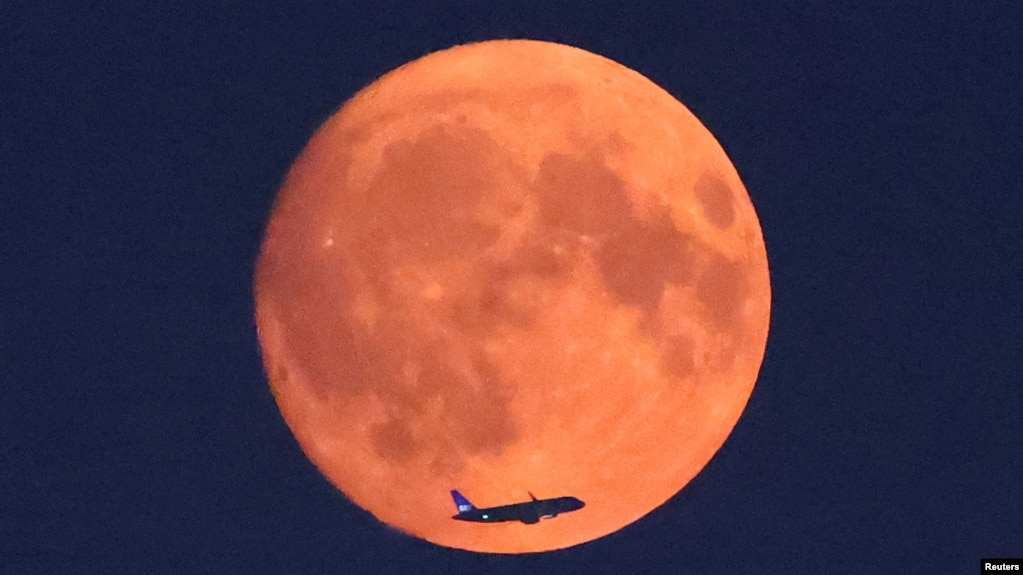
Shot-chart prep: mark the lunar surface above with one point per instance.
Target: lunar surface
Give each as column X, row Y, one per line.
column 512, row 267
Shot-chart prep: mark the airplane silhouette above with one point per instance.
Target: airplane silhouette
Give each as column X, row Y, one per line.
column 529, row 512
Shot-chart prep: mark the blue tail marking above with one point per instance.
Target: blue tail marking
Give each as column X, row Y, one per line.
column 461, row 502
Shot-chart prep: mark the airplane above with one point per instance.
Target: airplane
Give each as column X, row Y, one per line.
column 529, row 512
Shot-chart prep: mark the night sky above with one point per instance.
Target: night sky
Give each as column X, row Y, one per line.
column 140, row 153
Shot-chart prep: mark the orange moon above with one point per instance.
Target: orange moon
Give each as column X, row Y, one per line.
column 506, row 267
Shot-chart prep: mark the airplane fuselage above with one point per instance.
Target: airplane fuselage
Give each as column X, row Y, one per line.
column 528, row 512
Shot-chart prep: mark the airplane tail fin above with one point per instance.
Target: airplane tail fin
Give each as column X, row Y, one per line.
column 461, row 502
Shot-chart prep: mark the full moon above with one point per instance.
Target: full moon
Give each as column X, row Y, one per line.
column 512, row 267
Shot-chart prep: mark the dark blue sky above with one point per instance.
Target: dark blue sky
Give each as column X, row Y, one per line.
column 140, row 151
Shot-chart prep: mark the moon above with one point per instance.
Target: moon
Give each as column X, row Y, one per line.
column 508, row 267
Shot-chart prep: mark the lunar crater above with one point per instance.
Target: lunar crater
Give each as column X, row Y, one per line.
column 716, row 199
column 426, row 193
column 473, row 404
column 582, row 195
